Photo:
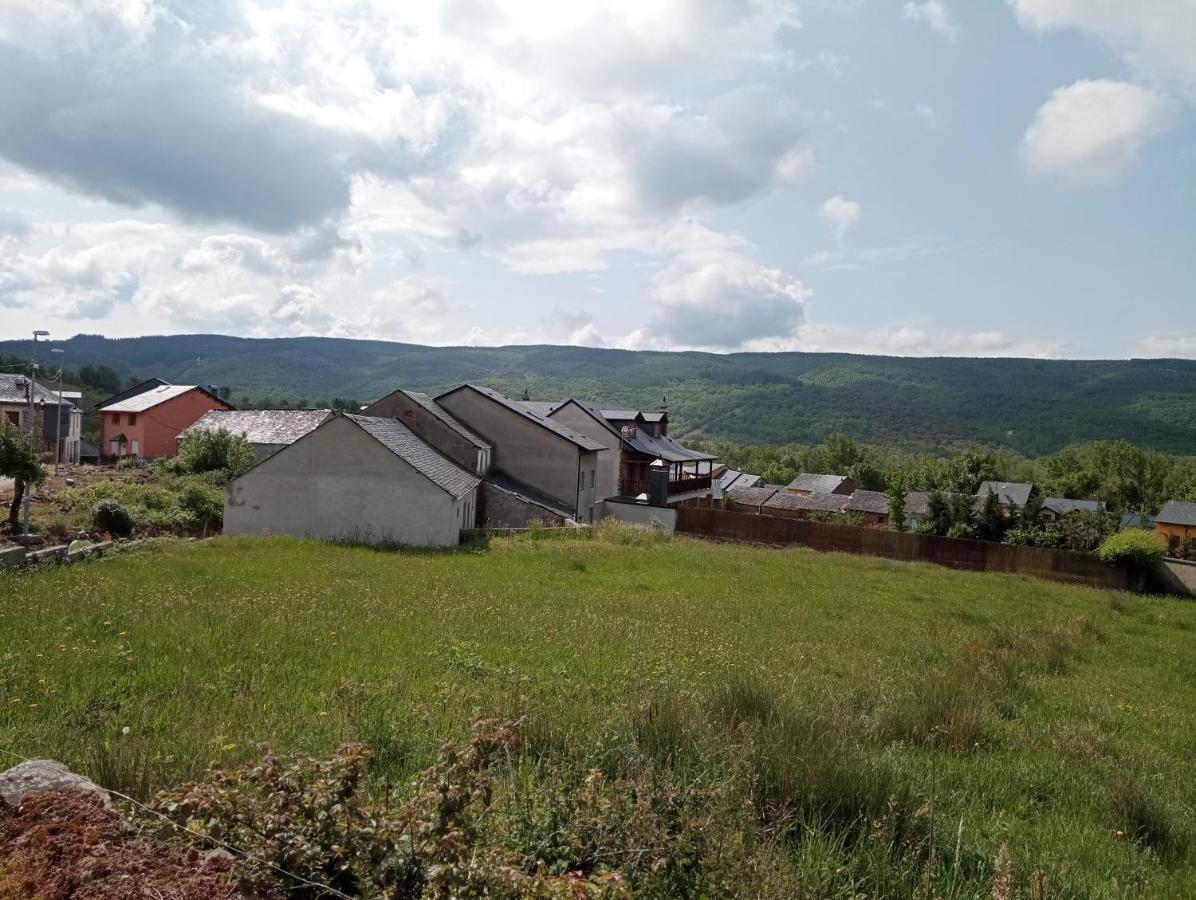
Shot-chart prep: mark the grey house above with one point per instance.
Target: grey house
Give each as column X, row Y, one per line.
column 810, row 483
column 1009, row 493
column 536, row 452
column 355, row 478
column 436, row 426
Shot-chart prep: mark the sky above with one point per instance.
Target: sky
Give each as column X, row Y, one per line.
column 933, row 177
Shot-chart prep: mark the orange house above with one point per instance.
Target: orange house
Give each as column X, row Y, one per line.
column 1176, row 521
column 148, row 424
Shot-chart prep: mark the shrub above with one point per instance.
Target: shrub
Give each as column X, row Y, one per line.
column 215, row 451
column 202, row 504
column 110, row 516
column 1134, row 546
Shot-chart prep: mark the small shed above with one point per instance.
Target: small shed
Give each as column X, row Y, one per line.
column 355, row 478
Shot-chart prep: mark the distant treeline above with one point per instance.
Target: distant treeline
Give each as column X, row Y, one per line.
column 1128, row 478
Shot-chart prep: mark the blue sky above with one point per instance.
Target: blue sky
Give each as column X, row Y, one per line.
column 1011, row 177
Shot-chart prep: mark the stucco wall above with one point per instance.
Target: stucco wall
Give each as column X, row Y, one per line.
column 502, row 509
column 157, row 429
column 461, row 451
column 528, row 452
column 338, row 483
column 664, row 517
column 607, row 465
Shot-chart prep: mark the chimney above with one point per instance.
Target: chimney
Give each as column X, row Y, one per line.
column 658, row 484
column 526, row 395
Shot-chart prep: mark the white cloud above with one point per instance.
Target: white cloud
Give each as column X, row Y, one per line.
column 841, row 215
column 1093, row 131
column 1156, row 37
column 1175, row 346
column 906, row 339
column 935, row 15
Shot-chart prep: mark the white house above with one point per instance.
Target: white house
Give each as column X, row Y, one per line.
column 355, row 478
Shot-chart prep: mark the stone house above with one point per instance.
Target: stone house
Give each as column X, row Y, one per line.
column 266, row 430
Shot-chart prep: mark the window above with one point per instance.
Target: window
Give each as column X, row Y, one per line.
column 14, row 417
column 591, row 479
column 116, row 418
column 132, row 418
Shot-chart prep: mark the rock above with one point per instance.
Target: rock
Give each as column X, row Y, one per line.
column 44, row 775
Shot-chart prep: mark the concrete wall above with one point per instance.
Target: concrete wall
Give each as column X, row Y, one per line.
column 338, row 483
column 529, row 452
column 607, row 472
column 1179, row 577
column 502, row 509
column 664, row 517
column 464, row 453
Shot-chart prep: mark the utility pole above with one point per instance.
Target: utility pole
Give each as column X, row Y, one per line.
column 32, row 424
column 58, row 414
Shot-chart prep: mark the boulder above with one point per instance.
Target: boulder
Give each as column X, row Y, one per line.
column 44, row 775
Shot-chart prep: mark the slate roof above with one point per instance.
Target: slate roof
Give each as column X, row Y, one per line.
column 151, row 398
column 744, row 480
column 868, row 502
column 574, row 437
column 726, row 477
column 665, row 448
column 1177, row 512
column 1136, row 520
column 753, row 496
column 528, row 493
column 1061, row 505
column 403, row 442
column 14, row 389
column 541, row 407
column 443, row 415
column 620, row 415
column 809, row 502
column 261, row 426
column 817, row 484
column 654, row 416
column 917, row 503
column 1007, row 491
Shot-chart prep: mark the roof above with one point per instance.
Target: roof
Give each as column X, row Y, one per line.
column 654, row 416
column 403, row 442
column 574, row 437
column 541, row 407
column 817, row 484
column 592, row 410
column 528, row 493
column 152, row 397
column 138, row 388
column 1061, row 505
column 744, row 480
column 811, row 502
column 665, row 448
column 620, row 415
column 443, row 415
column 14, row 388
column 917, row 503
column 1015, row 492
column 1177, row 512
column 1136, row 520
column 261, row 426
column 726, row 478
column 867, row 502
column 753, row 496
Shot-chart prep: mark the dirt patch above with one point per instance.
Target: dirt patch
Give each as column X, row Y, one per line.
column 65, row 845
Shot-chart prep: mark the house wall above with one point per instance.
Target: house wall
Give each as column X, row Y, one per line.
column 607, row 467
column 663, row 517
column 433, row 431
column 1181, row 532
column 338, row 483
column 499, row 508
column 157, row 428
column 529, row 452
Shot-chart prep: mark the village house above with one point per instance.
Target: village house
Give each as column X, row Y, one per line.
column 147, row 422
column 726, row 479
column 436, row 426
column 1055, row 508
column 356, row 478
column 808, row 483
column 1013, row 495
column 872, row 508
column 635, row 440
column 533, row 456
column 800, row 506
column 50, row 417
column 1176, row 522
column 266, row 430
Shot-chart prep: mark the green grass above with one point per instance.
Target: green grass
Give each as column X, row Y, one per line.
column 847, row 696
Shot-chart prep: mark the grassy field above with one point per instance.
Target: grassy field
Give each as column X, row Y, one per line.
column 1058, row 723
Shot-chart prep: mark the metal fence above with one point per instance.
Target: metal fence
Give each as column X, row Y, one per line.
column 976, row 556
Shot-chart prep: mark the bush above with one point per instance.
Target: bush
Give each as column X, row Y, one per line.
column 1135, row 546
column 202, row 504
column 110, row 516
column 215, row 451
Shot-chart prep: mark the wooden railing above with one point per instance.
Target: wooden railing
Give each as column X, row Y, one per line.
column 633, row 487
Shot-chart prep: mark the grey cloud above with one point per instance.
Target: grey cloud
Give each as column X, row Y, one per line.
column 14, row 225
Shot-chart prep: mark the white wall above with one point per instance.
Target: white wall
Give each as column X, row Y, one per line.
column 338, row 483
column 607, row 464
column 664, row 517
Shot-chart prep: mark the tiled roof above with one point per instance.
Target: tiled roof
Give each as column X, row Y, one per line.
column 812, row 502
column 753, row 496
column 867, row 502
column 817, row 484
column 261, row 426
column 403, row 442
column 1177, row 512
column 149, row 399
column 1061, row 505
column 568, row 434
column 443, row 415
column 1015, row 492
column 15, row 389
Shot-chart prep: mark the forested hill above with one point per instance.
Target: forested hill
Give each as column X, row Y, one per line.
column 1033, row 406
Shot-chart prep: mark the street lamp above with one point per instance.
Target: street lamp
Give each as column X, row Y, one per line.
column 32, row 422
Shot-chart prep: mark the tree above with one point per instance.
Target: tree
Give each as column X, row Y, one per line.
column 897, row 517
column 1032, row 511
column 215, row 451
column 19, row 462
column 102, row 378
column 938, row 513
column 990, row 522
column 224, row 392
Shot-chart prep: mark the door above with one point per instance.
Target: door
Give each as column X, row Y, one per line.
column 114, row 448
column 135, row 448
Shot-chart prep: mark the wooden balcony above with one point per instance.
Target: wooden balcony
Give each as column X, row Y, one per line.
column 629, row 487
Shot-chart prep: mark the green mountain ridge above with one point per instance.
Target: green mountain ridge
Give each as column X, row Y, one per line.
column 1031, row 406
